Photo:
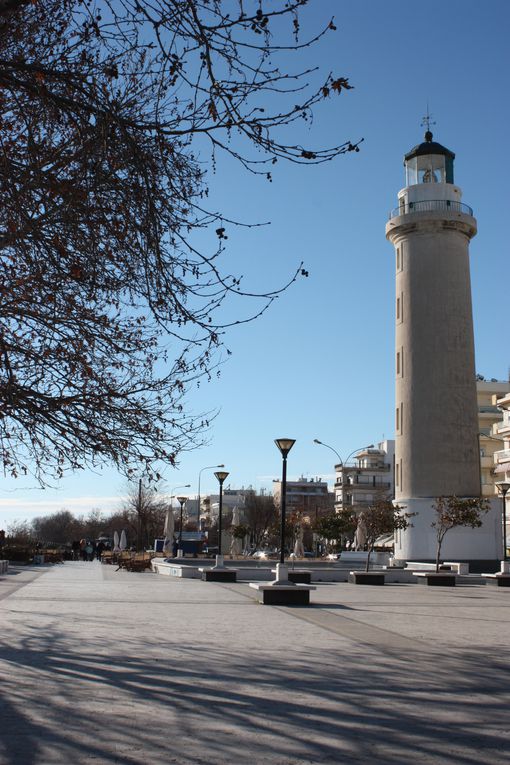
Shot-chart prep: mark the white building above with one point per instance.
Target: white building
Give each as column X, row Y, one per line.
column 370, row 478
column 490, row 416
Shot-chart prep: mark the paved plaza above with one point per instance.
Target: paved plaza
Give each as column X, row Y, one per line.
column 100, row 666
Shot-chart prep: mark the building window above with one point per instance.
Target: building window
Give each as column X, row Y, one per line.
column 398, row 309
column 398, row 258
column 397, row 475
column 398, row 362
column 402, row 361
column 397, row 419
column 401, row 416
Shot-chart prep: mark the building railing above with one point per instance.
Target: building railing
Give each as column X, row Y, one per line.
column 431, row 205
column 503, row 455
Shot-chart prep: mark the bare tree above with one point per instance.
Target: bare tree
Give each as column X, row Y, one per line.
column 108, row 311
column 144, row 510
column 260, row 516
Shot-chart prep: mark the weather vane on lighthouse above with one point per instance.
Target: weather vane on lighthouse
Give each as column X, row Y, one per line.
column 427, row 122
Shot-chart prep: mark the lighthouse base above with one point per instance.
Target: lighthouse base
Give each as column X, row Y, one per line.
column 479, row 546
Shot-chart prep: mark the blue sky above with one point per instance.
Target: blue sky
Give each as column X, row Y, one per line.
column 320, row 363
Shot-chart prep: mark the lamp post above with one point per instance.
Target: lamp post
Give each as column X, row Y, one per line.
column 209, row 467
column 342, row 462
column 284, row 445
column 220, row 475
column 182, row 502
column 503, row 489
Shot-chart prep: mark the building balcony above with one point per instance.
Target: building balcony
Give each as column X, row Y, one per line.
column 502, row 456
column 431, row 205
column 502, row 428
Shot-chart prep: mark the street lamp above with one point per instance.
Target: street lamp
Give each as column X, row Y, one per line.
column 182, row 502
column 209, row 467
column 342, row 462
column 220, row 475
column 503, row 488
column 284, row 445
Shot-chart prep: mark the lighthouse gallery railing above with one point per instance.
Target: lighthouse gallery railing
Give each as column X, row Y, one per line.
column 430, row 205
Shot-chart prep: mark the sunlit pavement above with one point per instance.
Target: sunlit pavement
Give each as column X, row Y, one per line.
column 100, row 666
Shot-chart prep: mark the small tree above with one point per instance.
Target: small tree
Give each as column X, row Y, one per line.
column 382, row 517
column 335, row 525
column 452, row 512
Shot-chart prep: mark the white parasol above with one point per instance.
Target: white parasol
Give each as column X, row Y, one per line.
column 299, row 550
column 236, row 544
column 116, row 547
column 123, row 540
column 169, row 530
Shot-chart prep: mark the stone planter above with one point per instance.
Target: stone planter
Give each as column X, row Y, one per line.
column 366, row 577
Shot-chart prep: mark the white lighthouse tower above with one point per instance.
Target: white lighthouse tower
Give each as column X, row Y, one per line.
column 436, row 415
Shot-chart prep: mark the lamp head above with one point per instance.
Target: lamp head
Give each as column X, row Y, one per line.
column 221, row 475
column 316, row 441
column 181, row 500
column 503, row 488
column 285, row 445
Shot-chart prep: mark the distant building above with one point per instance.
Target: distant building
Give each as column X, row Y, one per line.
column 502, row 457
column 210, row 504
column 489, row 417
column 309, row 497
column 502, row 431
column 370, row 478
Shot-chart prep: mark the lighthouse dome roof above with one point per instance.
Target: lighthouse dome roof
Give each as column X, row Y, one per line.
column 429, row 147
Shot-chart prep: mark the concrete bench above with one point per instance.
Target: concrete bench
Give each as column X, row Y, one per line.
column 283, row 594
column 213, row 574
column 502, row 579
column 298, row 575
column 4, row 565
column 433, row 579
column 459, row 568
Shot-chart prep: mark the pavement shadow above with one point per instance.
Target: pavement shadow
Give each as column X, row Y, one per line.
column 133, row 701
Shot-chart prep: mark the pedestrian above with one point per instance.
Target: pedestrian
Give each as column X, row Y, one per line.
column 99, row 549
column 75, row 547
column 89, row 551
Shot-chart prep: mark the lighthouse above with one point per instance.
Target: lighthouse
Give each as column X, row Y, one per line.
column 436, row 414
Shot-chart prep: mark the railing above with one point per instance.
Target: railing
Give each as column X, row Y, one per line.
column 431, row 205
column 503, row 455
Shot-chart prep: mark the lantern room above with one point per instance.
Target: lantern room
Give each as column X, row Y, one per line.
column 429, row 162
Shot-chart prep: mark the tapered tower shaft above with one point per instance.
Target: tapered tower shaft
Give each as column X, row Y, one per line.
column 436, row 416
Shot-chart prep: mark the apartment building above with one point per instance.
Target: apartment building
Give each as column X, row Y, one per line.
column 371, row 477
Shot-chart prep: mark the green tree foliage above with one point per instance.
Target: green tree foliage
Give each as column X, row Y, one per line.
column 381, row 517
column 108, row 311
column 334, row 526
column 452, row 512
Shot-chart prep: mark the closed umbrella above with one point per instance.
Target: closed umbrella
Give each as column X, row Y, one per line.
column 123, row 540
column 116, row 547
column 169, row 530
column 236, row 544
column 299, row 550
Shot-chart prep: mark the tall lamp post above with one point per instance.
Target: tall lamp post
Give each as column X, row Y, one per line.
column 182, row 502
column 341, row 461
column 220, row 475
column 284, row 445
column 209, row 467
column 503, row 489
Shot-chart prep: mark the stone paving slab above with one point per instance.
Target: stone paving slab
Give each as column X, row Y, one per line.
column 99, row 666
